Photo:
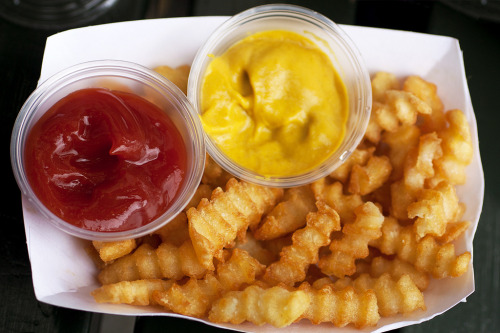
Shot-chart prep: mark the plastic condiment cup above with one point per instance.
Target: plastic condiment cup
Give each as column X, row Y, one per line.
column 344, row 55
column 112, row 74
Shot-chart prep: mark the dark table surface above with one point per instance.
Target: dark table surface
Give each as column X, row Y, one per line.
column 475, row 23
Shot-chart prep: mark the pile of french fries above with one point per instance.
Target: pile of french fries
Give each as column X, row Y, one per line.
column 348, row 249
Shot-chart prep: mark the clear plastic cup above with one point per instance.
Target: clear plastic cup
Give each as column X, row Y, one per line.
column 333, row 41
column 113, row 75
column 54, row 14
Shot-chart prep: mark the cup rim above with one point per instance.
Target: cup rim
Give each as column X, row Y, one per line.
column 133, row 71
column 301, row 14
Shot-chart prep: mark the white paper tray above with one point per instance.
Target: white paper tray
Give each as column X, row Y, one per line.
column 63, row 275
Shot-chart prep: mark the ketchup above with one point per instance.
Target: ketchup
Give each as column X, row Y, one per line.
column 105, row 160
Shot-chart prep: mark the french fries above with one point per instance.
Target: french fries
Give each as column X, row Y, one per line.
column 354, row 242
column 393, row 296
column 138, row 292
column 178, row 75
column 166, row 261
column 109, row 251
column 341, row 306
column 359, row 244
column 288, row 215
column 296, row 258
column 216, row 223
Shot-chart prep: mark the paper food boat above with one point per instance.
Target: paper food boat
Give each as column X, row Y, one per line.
column 63, row 274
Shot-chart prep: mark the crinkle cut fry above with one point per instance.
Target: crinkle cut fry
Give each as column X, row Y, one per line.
column 366, row 179
column 277, row 306
column 215, row 224
column 358, row 157
column 178, row 75
column 434, row 209
column 354, row 243
column 382, row 82
column 306, row 242
column 240, row 269
column 167, row 261
column 341, row 306
column 457, row 150
column 288, row 215
column 398, row 108
column 109, row 251
column 333, row 195
column 400, row 143
column 426, row 254
column 427, row 92
column 453, row 231
column 138, row 292
column 195, row 297
column 398, row 268
column 419, row 161
column 174, row 232
column 393, row 295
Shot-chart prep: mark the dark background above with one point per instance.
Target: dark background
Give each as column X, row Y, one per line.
column 475, row 23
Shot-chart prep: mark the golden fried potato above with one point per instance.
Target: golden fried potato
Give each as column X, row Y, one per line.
column 276, row 306
column 381, row 82
column 440, row 260
column 358, row 157
column 167, row 261
column 397, row 268
column 203, row 191
column 354, row 243
column 383, row 226
column 418, row 168
column 373, row 131
column 341, row 306
column 453, row 231
column 193, row 298
column 393, row 296
column 425, row 254
column 288, row 215
column 401, row 197
column 457, row 150
column 296, row 258
column 174, row 232
column 333, row 195
column 109, row 251
column 138, row 292
column 434, row 209
column 406, row 106
column 368, row 178
column 385, row 117
column 177, row 262
column 240, row 269
column 400, row 143
column 124, row 268
column 398, row 108
column 178, row 75
column 427, row 92
column 215, row 224
column 419, row 161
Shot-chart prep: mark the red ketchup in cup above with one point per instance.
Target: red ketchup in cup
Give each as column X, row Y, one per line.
column 105, row 160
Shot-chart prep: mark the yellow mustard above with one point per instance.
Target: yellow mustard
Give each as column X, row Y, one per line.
column 274, row 103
